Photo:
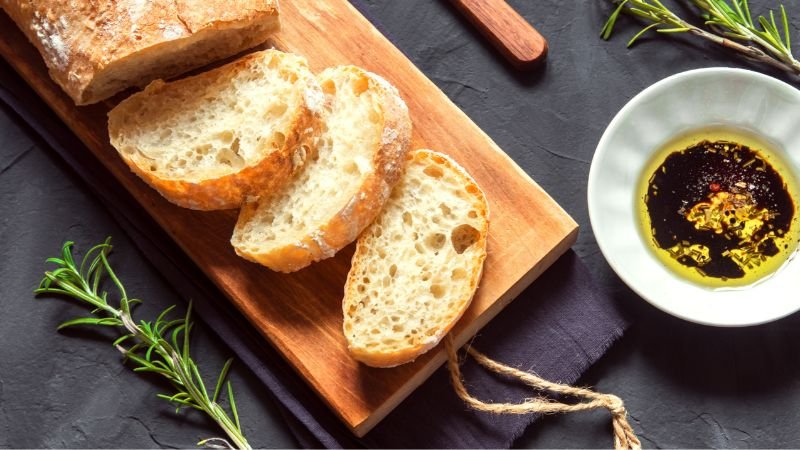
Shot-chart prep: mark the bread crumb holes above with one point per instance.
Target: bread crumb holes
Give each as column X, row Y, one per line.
column 463, row 237
column 434, row 171
column 438, row 290
column 436, row 241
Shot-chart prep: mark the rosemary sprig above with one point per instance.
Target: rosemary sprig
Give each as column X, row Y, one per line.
column 160, row 347
column 729, row 23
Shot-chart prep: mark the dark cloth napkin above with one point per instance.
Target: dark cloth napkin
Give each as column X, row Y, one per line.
column 557, row 327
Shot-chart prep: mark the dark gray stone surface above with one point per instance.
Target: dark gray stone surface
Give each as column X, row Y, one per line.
column 685, row 385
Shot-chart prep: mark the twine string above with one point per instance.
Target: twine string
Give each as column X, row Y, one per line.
column 624, row 436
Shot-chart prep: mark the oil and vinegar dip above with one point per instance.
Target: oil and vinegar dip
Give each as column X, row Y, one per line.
column 717, row 207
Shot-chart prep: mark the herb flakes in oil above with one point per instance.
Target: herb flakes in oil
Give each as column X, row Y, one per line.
column 721, row 210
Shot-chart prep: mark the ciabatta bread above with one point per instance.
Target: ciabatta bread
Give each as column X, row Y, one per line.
column 94, row 49
column 416, row 268
column 208, row 141
column 356, row 162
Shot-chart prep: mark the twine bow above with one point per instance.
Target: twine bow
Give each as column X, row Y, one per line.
column 624, row 437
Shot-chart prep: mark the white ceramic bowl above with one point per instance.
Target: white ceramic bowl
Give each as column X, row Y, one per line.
column 717, row 96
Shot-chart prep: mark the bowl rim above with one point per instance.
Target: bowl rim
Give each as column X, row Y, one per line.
column 601, row 149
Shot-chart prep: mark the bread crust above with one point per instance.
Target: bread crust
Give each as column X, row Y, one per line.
column 90, row 48
column 346, row 225
column 228, row 191
column 351, row 295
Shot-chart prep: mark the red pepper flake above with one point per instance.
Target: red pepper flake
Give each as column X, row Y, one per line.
column 715, row 187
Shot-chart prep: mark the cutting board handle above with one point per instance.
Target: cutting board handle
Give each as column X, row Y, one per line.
column 509, row 32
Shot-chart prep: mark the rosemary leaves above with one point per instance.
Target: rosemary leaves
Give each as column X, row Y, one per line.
column 729, row 23
column 160, row 347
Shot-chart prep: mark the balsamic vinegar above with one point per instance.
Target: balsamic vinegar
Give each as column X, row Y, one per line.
column 717, row 207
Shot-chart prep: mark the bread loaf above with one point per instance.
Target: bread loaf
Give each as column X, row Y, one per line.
column 364, row 137
column 94, row 49
column 208, row 141
column 416, row 268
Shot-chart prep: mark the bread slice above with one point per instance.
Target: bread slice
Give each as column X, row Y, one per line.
column 94, row 49
column 357, row 160
column 416, row 268
column 208, row 141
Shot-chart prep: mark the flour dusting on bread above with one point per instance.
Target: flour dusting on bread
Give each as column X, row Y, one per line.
column 94, row 49
column 52, row 39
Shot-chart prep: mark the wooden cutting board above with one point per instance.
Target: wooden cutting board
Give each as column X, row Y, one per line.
column 300, row 314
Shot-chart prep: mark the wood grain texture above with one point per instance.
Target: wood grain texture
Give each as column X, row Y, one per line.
column 509, row 32
column 300, row 313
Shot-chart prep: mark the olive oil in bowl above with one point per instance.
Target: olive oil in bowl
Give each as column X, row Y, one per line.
column 717, row 207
